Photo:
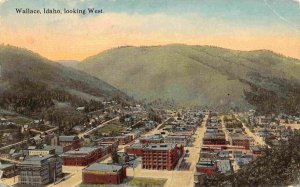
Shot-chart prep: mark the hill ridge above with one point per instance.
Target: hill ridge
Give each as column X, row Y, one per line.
column 193, row 74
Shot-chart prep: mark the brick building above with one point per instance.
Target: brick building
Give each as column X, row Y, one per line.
column 161, row 156
column 239, row 140
column 69, row 142
column 135, row 149
column 85, row 155
column 154, row 139
column 99, row 173
column 214, row 139
column 206, row 166
column 39, row 170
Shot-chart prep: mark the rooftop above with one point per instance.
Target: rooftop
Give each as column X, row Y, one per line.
column 3, row 166
column 238, row 136
column 58, row 149
column 82, row 150
column 36, row 160
column 137, row 145
column 104, row 167
column 161, row 146
column 153, row 137
column 67, row 138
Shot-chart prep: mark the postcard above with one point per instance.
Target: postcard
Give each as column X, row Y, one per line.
column 149, row 93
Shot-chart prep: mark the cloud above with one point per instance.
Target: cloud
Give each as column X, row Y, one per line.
column 2, row 1
column 76, row 36
column 297, row 1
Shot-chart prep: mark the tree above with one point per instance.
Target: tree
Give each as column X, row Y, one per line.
column 115, row 157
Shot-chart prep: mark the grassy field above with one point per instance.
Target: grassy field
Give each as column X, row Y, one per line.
column 114, row 127
column 147, row 182
column 91, row 185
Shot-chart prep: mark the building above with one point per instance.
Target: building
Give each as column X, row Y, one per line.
column 69, row 142
column 206, row 166
column 39, row 170
column 224, row 165
column 9, row 170
column 99, row 173
column 121, row 139
column 180, row 140
column 214, row 139
column 135, row 149
column 161, row 156
column 57, row 149
column 199, row 179
column 37, row 152
column 85, row 155
column 239, row 140
column 154, row 139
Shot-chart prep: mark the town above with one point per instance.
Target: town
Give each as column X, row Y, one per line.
column 132, row 145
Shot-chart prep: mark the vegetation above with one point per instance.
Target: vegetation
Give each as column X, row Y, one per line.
column 267, row 101
column 115, row 157
column 278, row 166
column 30, row 82
column 65, row 118
column 113, row 129
column 217, row 78
column 152, row 115
column 147, row 182
column 92, row 185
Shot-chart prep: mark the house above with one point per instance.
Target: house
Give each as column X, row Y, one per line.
column 78, row 128
column 99, row 173
column 80, row 109
column 121, row 139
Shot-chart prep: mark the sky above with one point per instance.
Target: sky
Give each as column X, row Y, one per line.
column 234, row 24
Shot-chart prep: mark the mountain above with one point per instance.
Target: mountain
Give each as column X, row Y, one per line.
column 68, row 63
column 198, row 75
column 30, row 83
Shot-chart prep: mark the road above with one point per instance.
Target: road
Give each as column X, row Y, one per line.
column 10, row 160
column 11, row 145
column 176, row 178
column 194, row 152
column 76, row 172
column 224, row 128
column 75, row 176
column 95, row 128
column 156, row 130
column 258, row 140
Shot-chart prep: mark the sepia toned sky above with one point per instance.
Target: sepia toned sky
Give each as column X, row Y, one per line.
column 234, row 24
